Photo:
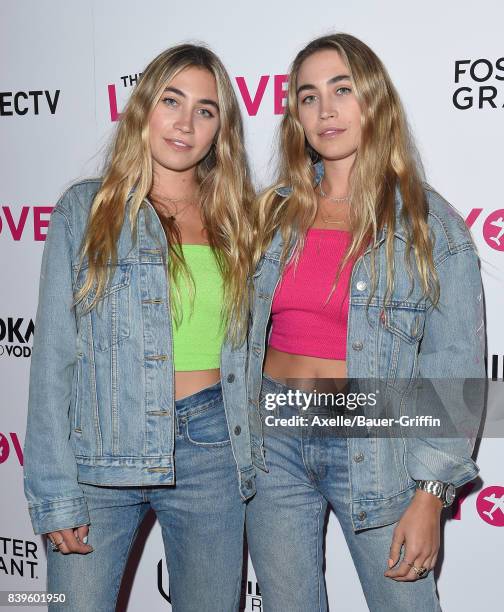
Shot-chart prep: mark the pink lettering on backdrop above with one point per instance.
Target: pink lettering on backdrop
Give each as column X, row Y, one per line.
column 280, row 92
column 15, row 229
column 5, row 450
column 17, row 226
column 17, row 447
column 252, row 105
column 39, row 223
column 114, row 114
column 252, row 102
column 472, row 216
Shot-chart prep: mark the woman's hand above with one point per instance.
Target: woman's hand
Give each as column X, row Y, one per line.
column 419, row 531
column 70, row 540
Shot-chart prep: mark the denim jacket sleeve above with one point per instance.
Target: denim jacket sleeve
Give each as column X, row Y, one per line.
column 55, row 500
column 453, row 348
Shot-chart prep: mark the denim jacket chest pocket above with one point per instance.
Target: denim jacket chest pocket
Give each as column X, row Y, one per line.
column 108, row 323
column 401, row 331
column 399, row 320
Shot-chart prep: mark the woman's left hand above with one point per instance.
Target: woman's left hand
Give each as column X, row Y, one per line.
column 419, row 531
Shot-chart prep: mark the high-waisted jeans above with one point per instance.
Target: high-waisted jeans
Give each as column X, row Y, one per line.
column 285, row 525
column 201, row 519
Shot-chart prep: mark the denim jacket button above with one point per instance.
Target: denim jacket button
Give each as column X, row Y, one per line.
column 237, row 430
column 361, row 516
column 231, row 378
column 357, row 346
column 361, row 285
column 358, row 457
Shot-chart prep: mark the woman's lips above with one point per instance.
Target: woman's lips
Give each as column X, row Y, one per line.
column 177, row 144
column 332, row 132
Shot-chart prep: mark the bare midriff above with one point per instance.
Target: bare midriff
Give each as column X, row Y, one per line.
column 293, row 369
column 187, row 383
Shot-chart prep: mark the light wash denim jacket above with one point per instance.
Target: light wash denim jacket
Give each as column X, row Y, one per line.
column 101, row 401
column 413, row 340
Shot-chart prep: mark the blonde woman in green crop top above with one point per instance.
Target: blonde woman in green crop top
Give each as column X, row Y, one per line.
column 159, row 321
column 207, row 233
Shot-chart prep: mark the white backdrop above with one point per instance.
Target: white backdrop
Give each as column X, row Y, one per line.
column 67, row 68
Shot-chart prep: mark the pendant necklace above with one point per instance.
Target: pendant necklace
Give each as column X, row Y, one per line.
column 173, row 215
column 177, row 212
column 337, row 200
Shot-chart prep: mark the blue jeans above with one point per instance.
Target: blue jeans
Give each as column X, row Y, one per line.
column 285, row 525
column 201, row 518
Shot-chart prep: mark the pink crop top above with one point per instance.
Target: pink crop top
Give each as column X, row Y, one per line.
column 301, row 324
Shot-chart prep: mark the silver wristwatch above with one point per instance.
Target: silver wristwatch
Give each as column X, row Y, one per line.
column 445, row 491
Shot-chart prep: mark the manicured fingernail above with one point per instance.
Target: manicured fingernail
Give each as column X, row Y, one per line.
column 84, row 539
column 390, row 562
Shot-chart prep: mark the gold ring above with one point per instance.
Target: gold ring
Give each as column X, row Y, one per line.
column 419, row 571
column 55, row 547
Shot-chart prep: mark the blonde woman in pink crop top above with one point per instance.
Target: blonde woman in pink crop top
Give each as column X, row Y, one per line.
column 348, row 201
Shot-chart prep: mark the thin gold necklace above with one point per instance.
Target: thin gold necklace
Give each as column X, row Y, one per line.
column 339, row 200
column 329, row 221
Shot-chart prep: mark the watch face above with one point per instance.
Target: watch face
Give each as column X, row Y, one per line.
column 450, row 494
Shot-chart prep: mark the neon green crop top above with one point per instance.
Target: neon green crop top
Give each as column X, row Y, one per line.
column 197, row 341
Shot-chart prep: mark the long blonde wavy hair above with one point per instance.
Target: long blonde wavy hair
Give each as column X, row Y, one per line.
column 223, row 179
column 386, row 158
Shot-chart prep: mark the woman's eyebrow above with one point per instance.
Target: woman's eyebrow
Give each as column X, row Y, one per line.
column 174, row 90
column 209, row 101
column 338, row 78
column 180, row 93
column 331, row 81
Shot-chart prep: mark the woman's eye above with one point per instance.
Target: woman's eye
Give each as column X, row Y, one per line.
column 308, row 100
column 205, row 112
column 170, row 101
column 343, row 91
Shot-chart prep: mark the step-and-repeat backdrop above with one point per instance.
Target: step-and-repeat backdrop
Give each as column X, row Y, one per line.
column 67, row 70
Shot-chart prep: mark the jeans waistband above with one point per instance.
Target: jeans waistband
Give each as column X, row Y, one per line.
column 201, row 398
column 272, row 385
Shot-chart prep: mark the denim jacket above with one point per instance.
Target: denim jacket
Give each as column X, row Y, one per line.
column 101, row 400
column 413, row 340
